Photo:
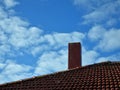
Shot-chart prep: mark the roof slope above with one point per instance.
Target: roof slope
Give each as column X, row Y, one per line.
column 102, row 76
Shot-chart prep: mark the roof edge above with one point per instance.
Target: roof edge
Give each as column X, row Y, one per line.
column 22, row 80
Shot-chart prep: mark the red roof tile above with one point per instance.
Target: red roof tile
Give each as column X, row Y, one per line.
column 101, row 76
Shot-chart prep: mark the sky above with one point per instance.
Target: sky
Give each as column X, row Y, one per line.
column 34, row 35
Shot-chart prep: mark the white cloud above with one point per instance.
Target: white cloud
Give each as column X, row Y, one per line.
column 10, row 3
column 84, row 4
column 114, row 57
column 13, row 68
column 107, row 40
column 103, row 14
column 24, row 37
column 17, row 33
column 91, row 4
column 89, row 56
column 4, row 49
column 18, row 38
column 12, row 71
column 57, row 40
column 15, row 36
column 110, row 40
column 14, row 32
column 38, row 49
column 55, row 57
column 3, row 14
column 100, row 11
column 3, row 37
column 111, row 22
column 64, row 38
column 2, row 65
column 94, row 17
column 52, row 61
column 96, row 33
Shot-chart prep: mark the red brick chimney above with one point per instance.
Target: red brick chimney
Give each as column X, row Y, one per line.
column 74, row 55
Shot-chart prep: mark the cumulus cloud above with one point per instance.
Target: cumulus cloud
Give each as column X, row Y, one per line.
column 57, row 40
column 15, row 37
column 103, row 35
column 90, row 4
column 89, row 56
column 52, row 61
column 64, row 38
column 96, row 33
column 110, row 40
column 114, row 57
column 55, row 57
column 104, row 16
column 10, row 70
column 84, row 4
column 10, row 3
column 100, row 11
column 18, row 37
column 3, row 14
column 111, row 22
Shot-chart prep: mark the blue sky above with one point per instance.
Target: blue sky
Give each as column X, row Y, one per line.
column 34, row 35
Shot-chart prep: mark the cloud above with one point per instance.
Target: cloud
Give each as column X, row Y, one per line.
column 19, row 38
column 2, row 65
column 100, row 11
column 10, row 3
column 57, row 40
column 83, row 3
column 52, row 61
column 90, row 4
column 55, row 57
column 15, row 32
column 64, row 38
column 96, row 33
column 111, row 22
column 89, row 56
column 12, row 71
column 114, row 57
column 110, row 40
column 15, row 36
column 4, row 49
column 104, row 16
column 24, row 37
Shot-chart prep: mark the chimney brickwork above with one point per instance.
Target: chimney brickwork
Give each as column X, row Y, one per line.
column 74, row 55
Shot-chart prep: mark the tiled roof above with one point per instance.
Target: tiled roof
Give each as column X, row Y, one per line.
column 101, row 76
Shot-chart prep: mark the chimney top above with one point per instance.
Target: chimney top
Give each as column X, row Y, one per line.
column 74, row 55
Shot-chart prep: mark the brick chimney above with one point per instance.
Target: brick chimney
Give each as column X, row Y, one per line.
column 74, row 55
